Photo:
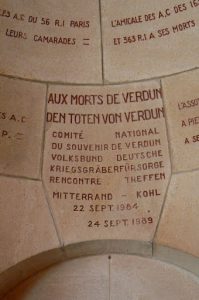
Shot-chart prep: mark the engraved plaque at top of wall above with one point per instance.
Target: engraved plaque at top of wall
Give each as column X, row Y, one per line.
column 149, row 38
column 106, row 161
column 51, row 40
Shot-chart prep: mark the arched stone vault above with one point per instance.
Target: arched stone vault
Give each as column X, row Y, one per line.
column 99, row 139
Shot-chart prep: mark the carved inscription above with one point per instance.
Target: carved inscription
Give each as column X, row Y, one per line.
column 154, row 16
column 56, row 39
column 144, row 41
column 106, row 159
column 182, row 104
column 18, row 17
column 10, row 119
column 21, row 127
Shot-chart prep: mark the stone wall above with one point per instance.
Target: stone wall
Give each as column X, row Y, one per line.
column 99, row 132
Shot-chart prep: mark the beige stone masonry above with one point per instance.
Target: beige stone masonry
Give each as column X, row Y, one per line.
column 84, row 278
column 99, row 149
column 149, row 38
column 26, row 226
column 134, row 278
column 181, row 97
column 22, row 113
column 106, row 161
column 51, row 40
column 179, row 223
column 121, row 277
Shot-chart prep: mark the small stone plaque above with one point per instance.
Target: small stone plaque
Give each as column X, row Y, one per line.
column 106, row 161
column 181, row 95
column 149, row 38
column 51, row 40
column 22, row 113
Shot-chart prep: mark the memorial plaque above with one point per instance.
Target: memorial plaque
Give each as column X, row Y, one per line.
column 106, row 161
column 51, row 40
column 22, row 113
column 149, row 38
column 26, row 227
column 99, row 147
column 179, row 223
column 182, row 105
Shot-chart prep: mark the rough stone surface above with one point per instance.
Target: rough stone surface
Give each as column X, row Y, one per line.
column 22, row 114
column 179, row 222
